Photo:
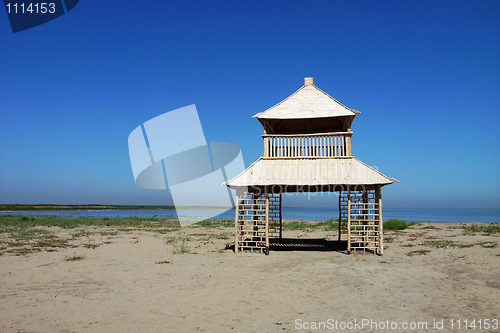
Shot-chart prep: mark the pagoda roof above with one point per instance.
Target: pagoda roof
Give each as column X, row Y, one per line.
column 309, row 172
column 307, row 102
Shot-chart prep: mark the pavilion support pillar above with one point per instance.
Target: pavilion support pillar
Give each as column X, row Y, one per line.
column 250, row 224
column 239, row 195
column 281, row 220
column 267, row 222
column 343, row 195
column 365, row 219
column 348, row 220
column 365, row 216
column 257, row 220
column 340, row 216
column 378, row 196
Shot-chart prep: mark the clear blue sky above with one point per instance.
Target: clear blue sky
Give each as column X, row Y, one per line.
column 424, row 74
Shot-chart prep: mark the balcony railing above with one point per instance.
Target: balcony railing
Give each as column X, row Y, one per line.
column 322, row 145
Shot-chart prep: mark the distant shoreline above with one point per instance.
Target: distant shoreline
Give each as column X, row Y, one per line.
column 288, row 213
column 48, row 207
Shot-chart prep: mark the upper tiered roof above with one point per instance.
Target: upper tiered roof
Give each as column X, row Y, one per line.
column 307, row 142
column 308, row 110
column 307, row 102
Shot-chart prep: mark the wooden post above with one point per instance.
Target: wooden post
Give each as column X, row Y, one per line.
column 335, row 152
column 332, row 137
column 236, row 221
column 302, row 146
column 289, row 147
column 255, row 217
column 381, row 223
column 364, row 201
column 348, row 220
column 267, row 221
column 346, row 145
column 271, row 147
column 349, row 145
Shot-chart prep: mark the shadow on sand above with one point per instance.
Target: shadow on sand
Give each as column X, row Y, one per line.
column 304, row 244
column 307, row 244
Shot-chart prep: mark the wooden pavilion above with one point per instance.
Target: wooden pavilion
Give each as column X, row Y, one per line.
column 307, row 148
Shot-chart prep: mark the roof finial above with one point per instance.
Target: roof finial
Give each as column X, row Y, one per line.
column 308, row 81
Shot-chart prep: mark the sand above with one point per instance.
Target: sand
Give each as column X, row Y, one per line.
column 188, row 281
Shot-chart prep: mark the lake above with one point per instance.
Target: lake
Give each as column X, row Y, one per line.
column 454, row 215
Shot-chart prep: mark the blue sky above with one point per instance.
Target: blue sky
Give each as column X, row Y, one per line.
column 424, row 74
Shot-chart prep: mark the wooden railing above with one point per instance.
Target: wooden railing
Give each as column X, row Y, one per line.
column 321, row 145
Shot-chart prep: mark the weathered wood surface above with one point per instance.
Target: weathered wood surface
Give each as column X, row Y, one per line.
column 321, row 145
column 307, row 102
column 309, row 172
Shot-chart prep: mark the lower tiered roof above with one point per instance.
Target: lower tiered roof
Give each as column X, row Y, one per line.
column 309, row 172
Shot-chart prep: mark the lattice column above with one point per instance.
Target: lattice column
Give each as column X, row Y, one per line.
column 343, row 195
column 275, row 223
column 250, row 221
column 378, row 194
column 250, row 233
column 365, row 220
column 239, row 195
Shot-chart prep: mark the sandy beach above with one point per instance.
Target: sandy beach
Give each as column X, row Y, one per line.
column 189, row 280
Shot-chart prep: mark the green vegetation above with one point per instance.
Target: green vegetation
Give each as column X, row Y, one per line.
column 91, row 245
column 395, row 224
column 328, row 225
column 430, row 227
column 212, row 223
column 21, row 241
column 488, row 229
column 179, row 244
column 181, row 248
column 26, row 234
column 442, row 244
column 297, row 225
column 418, row 252
column 61, row 222
column 22, row 235
column 488, row 245
column 389, row 239
column 82, row 233
column 108, row 233
column 223, row 235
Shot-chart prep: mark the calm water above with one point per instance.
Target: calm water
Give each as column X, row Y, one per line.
column 289, row 213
